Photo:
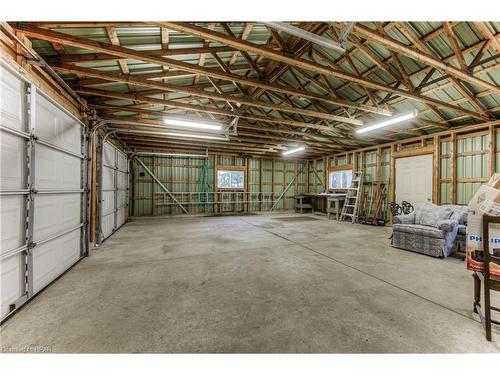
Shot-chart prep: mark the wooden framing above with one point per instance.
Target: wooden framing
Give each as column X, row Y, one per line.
column 276, row 110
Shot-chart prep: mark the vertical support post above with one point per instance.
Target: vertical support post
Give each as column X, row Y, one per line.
column 283, row 182
column 326, row 161
column 492, row 150
column 261, row 196
column 453, row 168
column 392, row 177
column 436, row 174
column 153, row 187
column 295, row 169
column 246, row 197
column 272, row 181
column 307, row 165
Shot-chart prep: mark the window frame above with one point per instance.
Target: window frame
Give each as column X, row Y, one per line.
column 224, row 168
column 337, row 169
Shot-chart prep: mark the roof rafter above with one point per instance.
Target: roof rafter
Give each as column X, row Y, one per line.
column 308, row 65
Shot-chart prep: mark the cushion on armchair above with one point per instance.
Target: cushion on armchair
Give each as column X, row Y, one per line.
column 435, row 216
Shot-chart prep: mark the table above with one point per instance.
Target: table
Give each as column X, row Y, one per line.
column 329, row 203
column 302, row 203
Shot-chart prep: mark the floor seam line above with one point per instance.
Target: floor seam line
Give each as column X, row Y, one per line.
column 363, row 272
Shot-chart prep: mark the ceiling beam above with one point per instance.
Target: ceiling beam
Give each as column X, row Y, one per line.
column 207, row 109
column 67, row 39
column 401, row 48
column 132, row 79
column 308, row 65
column 488, row 35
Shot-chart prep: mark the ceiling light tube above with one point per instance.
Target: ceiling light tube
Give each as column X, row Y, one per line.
column 191, row 123
column 173, row 134
column 306, row 35
column 171, row 154
column 293, row 151
column 190, row 135
column 391, row 121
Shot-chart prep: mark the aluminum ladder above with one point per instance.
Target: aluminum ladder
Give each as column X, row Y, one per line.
column 351, row 205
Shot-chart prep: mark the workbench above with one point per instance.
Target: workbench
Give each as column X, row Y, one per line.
column 328, row 203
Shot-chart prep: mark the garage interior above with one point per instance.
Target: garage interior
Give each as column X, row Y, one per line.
column 176, row 187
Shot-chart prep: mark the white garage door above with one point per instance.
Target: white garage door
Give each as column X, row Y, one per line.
column 414, row 179
column 42, row 196
column 114, row 190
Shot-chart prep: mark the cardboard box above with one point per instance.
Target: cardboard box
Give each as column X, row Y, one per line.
column 494, row 181
column 486, row 201
column 475, row 256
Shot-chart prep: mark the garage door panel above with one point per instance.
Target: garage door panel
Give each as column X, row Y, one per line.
column 109, row 155
column 13, row 99
column 108, row 202
column 114, row 193
column 55, row 126
column 107, row 224
column 12, row 222
column 122, row 180
column 121, row 198
column 12, row 162
column 52, row 258
column 108, row 178
column 55, row 214
column 56, row 170
column 13, row 284
column 122, row 162
column 121, row 216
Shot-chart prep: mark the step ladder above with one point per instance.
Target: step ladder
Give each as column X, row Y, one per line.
column 350, row 209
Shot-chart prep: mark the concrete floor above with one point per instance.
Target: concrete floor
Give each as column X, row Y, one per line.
column 254, row 284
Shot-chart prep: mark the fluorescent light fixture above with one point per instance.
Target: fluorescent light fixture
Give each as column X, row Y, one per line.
column 190, row 135
column 391, row 121
column 306, row 35
column 171, row 154
column 191, row 123
column 293, row 151
column 174, row 134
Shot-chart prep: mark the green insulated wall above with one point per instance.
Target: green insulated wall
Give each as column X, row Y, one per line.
column 191, row 182
column 463, row 161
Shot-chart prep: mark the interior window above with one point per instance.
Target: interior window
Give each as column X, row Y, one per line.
column 230, row 179
column 340, row 179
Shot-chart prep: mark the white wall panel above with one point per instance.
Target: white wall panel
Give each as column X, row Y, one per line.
column 55, row 126
column 13, row 99
column 12, row 162
column 52, row 258
column 56, row 170
column 12, row 222
column 55, row 214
